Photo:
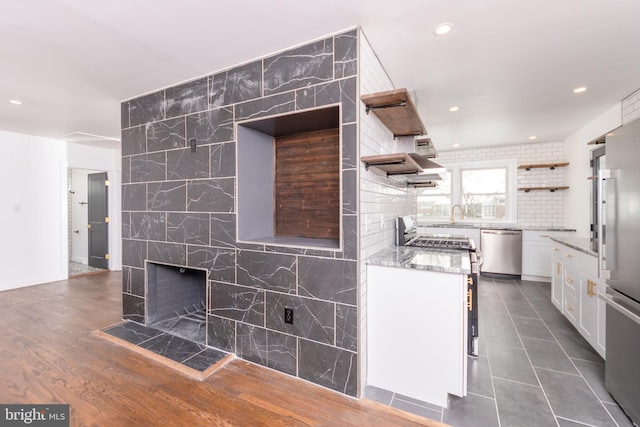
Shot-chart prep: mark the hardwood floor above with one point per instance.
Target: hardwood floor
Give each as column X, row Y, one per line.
column 48, row 355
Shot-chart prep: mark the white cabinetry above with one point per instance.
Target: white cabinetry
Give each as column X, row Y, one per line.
column 416, row 332
column 536, row 255
column 574, row 291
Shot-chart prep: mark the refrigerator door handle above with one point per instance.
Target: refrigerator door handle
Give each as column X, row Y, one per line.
column 618, row 307
column 603, row 174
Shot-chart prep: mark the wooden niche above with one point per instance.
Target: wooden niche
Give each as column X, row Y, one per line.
column 307, row 184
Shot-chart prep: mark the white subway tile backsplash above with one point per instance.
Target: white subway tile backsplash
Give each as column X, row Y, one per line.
column 631, row 107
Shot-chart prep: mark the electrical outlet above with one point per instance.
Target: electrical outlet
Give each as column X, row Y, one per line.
column 288, row 315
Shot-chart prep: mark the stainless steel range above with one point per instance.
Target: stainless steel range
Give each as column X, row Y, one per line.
column 407, row 236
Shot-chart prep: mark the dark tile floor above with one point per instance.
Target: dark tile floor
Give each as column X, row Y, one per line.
column 189, row 353
column 533, row 368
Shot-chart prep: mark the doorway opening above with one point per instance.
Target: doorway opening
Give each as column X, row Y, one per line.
column 88, row 221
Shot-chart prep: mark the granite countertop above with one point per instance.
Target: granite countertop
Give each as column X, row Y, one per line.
column 491, row 226
column 441, row 260
column 582, row 244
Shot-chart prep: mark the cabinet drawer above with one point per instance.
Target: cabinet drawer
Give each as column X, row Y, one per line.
column 571, row 283
column 570, row 308
column 569, row 256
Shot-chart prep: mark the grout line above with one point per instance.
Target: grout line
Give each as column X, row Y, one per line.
column 493, row 387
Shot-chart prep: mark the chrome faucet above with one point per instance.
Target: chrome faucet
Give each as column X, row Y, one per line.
column 453, row 210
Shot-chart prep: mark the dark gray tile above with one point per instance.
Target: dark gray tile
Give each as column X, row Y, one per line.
column 221, row 263
column 148, row 167
column 269, row 271
column 172, row 347
column 479, row 376
column 548, row 354
column 167, row 196
column 133, row 281
column 132, row 332
column 378, row 395
column 205, row 359
column 618, row 415
column 522, row 405
column 149, row 226
column 252, row 343
column 186, row 164
column 236, row 85
column 223, row 160
column 349, row 193
column 126, row 170
column 304, row 66
column 223, row 230
column 576, row 346
column 350, row 236
column 556, row 321
column 328, row 279
column 282, row 352
column 347, row 327
column 312, row 319
column 133, row 308
column 221, row 333
column 211, row 195
column 522, row 309
column 328, row 366
column 190, row 228
column 562, row 422
column 166, row 135
column 398, row 396
column 124, row 115
column 593, row 373
column 210, row 126
column 134, row 252
column 532, row 328
column 346, row 54
column 240, row 303
column 187, row 98
column 145, row 109
column 471, row 411
column 571, row 398
column 134, row 197
column 267, row 106
column 167, row 253
column 501, row 332
column 511, row 364
column 419, row 410
column 341, row 91
column 134, row 141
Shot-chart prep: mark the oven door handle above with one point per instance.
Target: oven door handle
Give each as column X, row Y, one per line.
column 619, row 308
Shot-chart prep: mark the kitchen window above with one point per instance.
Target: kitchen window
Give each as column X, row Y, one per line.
column 486, row 191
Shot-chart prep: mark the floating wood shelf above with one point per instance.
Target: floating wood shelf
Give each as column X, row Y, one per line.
column 396, row 110
column 392, row 164
column 552, row 189
column 543, row 165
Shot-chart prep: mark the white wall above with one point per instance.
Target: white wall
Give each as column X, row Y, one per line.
column 104, row 160
column 381, row 199
column 33, row 213
column 577, row 202
column 535, row 208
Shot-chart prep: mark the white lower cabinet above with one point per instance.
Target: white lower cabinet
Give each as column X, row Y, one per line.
column 574, row 291
column 536, row 255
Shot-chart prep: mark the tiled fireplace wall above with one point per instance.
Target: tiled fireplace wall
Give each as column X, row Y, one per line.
column 179, row 209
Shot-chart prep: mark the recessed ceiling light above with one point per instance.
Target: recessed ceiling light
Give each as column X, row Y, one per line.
column 15, row 102
column 454, row 109
column 532, row 137
column 580, row 89
column 456, row 145
column 442, row 29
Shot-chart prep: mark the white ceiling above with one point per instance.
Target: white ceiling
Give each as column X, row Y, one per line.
column 510, row 65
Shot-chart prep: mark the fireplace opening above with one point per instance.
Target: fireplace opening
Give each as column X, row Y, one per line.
column 176, row 301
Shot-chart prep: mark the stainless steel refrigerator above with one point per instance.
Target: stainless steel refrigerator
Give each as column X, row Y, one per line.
column 619, row 253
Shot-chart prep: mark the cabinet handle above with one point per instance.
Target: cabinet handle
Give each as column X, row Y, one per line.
column 590, row 285
column 569, row 280
column 556, row 249
column 568, row 255
column 569, row 307
column 559, row 272
column 470, row 299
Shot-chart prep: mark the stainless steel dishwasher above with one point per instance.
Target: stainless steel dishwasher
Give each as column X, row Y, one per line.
column 501, row 251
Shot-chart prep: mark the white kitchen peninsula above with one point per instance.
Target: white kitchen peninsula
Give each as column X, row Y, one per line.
column 417, row 322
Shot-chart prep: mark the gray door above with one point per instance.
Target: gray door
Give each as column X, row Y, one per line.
column 98, row 220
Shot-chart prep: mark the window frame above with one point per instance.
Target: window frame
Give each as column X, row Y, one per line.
column 511, row 190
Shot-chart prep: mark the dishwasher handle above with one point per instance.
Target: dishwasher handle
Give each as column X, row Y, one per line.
column 502, row 232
